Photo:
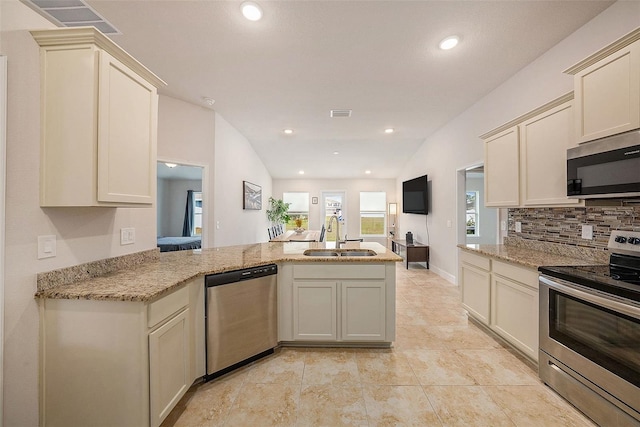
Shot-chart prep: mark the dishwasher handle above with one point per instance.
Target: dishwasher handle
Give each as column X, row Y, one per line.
column 240, row 275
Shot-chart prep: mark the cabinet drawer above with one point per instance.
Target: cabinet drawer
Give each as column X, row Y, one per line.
column 479, row 261
column 161, row 309
column 333, row 271
column 519, row 274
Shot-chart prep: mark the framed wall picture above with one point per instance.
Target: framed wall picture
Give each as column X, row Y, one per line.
column 314, row 200
column 252, row 193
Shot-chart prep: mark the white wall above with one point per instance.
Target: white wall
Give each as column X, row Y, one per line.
column 457, row 145
column 186, row 135
column 172, row 199
column 352, row 187
column 236, row 161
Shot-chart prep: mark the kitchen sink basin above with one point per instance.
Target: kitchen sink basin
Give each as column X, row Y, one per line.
column 339, row 252
column 322, row 252
column 365, row 252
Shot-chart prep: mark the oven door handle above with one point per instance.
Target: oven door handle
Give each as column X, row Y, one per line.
column 625, row 308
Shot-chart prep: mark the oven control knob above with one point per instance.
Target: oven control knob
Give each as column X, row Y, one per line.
column 634, row 240
column 621, row 239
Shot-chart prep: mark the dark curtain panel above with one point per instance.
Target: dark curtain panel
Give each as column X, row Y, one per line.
column 187, row 228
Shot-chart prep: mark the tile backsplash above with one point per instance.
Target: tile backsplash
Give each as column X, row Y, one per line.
column 564, row 225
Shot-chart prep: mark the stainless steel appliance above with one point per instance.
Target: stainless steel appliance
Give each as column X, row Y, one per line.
column 240, row 317
column 590, row 333
column 605, row 168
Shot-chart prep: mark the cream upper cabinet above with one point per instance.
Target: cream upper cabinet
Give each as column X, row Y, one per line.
column 607, row 90
column 99, row 109
column 544, row 140
column 525, row 159
column 501, row 163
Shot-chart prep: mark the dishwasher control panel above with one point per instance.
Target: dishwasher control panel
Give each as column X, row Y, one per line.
column 240, row 275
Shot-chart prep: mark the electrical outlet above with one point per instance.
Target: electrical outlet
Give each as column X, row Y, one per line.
column 587, row 232
column 46, row 246
column 518, row 227
column 127, row 236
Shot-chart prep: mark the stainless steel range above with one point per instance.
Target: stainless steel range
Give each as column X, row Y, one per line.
column 590, row 333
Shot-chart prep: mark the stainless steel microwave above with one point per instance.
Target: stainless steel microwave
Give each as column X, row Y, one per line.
column 605, row 168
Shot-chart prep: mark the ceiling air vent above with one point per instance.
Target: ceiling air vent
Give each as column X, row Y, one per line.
column 71, row 13
column 340, row 113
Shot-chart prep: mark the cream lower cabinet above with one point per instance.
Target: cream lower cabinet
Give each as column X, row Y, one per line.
column 315, row 313
column 119, row 363
column 169, row 365
column 475, row 282
column 502, row 296
column 99, row 109
column 607, row 90
column 514, row 306
column 336, row 302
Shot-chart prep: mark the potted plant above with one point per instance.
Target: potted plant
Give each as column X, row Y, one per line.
column 278, row 211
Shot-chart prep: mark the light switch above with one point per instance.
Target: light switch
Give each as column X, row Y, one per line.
column 46, row 246
column 587, row 232
column 448, row 223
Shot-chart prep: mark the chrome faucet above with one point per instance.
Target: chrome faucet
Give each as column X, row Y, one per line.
column 337, row 229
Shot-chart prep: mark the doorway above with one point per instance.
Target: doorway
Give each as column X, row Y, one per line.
column 179, row 185
column 334, row 203
column 477, row 224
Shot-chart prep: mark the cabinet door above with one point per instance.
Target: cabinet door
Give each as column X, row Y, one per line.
column 514, row 314
column 607, row 95
column 501, row 165
column 475, row 288
column 363, row 311
column 315, row 311
column 127, row 112
column 169, row 366
column 543, row 153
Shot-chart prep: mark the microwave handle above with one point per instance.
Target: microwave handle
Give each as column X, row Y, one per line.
column 628, row 307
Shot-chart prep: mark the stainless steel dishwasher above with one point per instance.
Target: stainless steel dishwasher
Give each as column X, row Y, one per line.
column 240, row 317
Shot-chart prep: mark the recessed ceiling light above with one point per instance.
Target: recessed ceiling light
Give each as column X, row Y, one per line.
column 388, row 130
column 336, row 152
column 288, row 131
column 449, row 43
column 251, row 11
column 367, row 172
column 301, row 172
column 208, row 101
column 171, row 165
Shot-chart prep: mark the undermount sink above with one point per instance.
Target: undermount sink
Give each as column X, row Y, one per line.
column 312, row 252
column 362, row 252
column 340, row 252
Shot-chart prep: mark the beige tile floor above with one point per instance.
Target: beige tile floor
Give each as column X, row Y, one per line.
column 443, row 370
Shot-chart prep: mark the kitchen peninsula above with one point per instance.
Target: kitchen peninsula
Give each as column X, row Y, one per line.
column 122, row 348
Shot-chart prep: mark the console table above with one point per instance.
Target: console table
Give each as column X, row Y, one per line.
column 416, row 252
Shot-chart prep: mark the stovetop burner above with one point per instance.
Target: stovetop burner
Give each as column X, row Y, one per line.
column 620, row 277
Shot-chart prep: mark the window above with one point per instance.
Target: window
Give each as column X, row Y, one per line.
column 298, row 210
column 472, row 213
column 373, row 213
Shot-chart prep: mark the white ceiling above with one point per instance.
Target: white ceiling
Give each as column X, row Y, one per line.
column 378, row 58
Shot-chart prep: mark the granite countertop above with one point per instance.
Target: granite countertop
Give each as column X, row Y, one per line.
column 169, row 270
column 527, row 257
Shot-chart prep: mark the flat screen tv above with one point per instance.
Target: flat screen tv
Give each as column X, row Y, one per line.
column 415, row 196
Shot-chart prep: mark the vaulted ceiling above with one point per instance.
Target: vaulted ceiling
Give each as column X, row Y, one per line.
column 379, row 59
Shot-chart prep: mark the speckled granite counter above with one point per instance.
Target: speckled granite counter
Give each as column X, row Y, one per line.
column 149, row 280
column 527, row 257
